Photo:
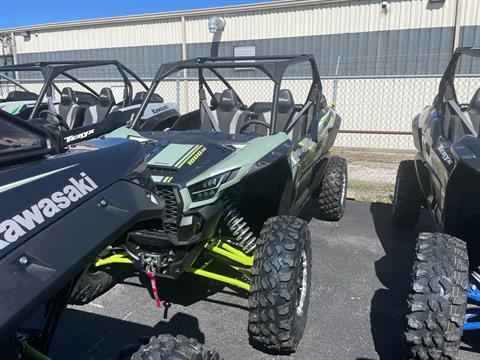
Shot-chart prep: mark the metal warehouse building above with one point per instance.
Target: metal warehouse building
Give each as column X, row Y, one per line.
column 387, row 54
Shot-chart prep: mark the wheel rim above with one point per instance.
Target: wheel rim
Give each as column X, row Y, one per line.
column 395, row 196
column 302, row 285
column 344, row 189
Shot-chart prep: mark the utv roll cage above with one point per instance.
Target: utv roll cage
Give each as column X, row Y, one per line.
column 446, row 101
column 272, row 66
column 50, row 70
column 13, row 81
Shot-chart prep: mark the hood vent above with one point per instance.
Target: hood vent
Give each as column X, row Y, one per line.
column 162, row 170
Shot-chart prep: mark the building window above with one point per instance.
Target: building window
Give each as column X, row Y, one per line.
column 239, row 51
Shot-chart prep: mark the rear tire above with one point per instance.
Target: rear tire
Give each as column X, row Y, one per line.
column 90, row 285
column 280, row 289
column 407, row 197
column 168, row 347
column 333, row 190
column 438, row 298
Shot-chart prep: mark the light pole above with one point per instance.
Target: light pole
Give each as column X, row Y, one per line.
column 216, row 25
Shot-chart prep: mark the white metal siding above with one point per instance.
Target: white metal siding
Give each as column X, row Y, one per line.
column 98, row 37
column 469, row 12
column 326, row 19
column 322, row 19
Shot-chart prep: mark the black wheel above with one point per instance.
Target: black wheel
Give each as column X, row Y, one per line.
column 333, row 190
column 280, row 289
column 438, row 298
column 168, row 347
column 92, row 283
column 408, row 197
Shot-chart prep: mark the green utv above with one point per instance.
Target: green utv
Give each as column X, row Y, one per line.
column 234, row 178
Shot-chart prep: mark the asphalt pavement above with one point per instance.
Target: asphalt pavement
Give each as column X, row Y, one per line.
column 361, row 270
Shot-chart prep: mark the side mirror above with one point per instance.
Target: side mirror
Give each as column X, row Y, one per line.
column 156, row 98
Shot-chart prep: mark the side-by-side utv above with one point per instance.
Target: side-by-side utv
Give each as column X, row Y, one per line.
column 60, row 209
column 235, row 176
column 445, row 179
column 79, row 94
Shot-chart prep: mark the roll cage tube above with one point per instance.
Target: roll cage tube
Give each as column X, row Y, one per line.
column 447, row 81
column 446, row 100
column 272, row 66
column 16, row 83
column 50, row 70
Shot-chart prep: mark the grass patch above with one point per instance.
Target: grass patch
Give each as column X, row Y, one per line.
column 371, row 191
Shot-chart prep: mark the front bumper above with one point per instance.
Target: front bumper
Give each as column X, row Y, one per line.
column 176, row 243
column 178, row 228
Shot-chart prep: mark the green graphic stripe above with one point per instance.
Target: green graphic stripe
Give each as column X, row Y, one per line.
column 16, row 110
column 172, row 154
column 186, row 156
column 197, row 148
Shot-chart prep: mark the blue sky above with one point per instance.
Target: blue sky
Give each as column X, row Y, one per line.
column 15, row 13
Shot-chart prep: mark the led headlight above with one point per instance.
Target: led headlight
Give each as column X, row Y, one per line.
column 208, row 188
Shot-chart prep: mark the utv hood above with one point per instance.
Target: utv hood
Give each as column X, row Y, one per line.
column 179, row 163
column 186, row 158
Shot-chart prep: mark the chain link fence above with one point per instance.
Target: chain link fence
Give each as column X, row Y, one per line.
column 376, row 111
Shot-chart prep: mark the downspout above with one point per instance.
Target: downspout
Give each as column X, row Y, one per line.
column 13, row 49
column 456, row 31
column 184, row 57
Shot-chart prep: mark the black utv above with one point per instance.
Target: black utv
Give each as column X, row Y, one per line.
column 236, row 171
column 48, row 196
column 445, row 179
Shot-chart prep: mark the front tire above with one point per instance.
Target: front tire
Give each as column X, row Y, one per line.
column 407, row 197
column 280, row 289
column 92, row 283
column 168, row 347
column 438, row 298
column 333, row 190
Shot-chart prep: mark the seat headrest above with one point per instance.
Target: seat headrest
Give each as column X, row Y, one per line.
column 21, row 95
column 228, row 101
column 475, row 102
column 285, row 101
column 106, row 97
column 141, row 95
column 215, row 101
column 68, row 97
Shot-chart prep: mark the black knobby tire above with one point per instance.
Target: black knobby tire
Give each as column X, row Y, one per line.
column 92, row 283
column 438, row 298
column 168, row 347
column 280, row 288
column 333, row 190
column 407, row 198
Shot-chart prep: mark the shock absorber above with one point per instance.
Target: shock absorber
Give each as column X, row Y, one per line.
column 244, row 237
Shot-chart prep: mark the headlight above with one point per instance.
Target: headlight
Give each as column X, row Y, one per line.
column 208, row 188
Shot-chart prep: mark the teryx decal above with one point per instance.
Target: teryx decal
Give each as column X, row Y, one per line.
column 17, row 226
column 445, row 157
column 82, row 135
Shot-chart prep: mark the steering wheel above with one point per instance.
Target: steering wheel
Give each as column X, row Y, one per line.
column 252, row 122
column 59, row 119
